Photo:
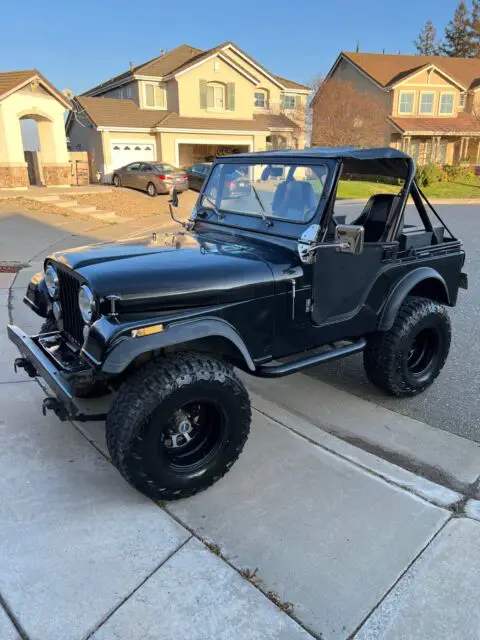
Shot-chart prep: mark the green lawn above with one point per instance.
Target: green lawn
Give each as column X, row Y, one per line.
column 465, row 188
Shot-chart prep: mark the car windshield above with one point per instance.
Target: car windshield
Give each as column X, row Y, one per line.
column 164, row 168
column 285, row 191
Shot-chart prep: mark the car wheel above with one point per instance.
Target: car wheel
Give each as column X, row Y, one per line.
column 405, row 360
column 178, row 425
column 116, row 181
column 151, row 189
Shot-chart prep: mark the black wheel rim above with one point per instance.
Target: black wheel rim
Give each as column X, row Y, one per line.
column 423, row 352
column 192, row 436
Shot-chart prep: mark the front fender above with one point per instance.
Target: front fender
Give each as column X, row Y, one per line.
column 406, row 286
column 36, row 296
column 124, row 352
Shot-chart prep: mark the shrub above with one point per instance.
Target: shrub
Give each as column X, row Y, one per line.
column 455, row 172
column 429, row 174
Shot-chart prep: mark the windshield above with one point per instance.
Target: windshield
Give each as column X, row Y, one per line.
column 285, row 191
column 164, row 168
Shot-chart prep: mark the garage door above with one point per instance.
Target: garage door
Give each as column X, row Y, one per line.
column 125, row 152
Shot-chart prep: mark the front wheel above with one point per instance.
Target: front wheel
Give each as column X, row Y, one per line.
column 116, row 181
column 178, row 425
column 405, row 360
column 151, row 189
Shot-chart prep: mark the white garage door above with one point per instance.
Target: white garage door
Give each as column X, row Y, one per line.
column 126, row 152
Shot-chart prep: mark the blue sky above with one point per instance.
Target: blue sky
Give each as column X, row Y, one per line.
column 79, row 44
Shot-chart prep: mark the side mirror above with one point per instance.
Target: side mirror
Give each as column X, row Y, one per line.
column 349, row 238
column 173, row 202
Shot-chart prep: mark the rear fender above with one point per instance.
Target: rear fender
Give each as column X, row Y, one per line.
column 201, row 332
column 425, row 282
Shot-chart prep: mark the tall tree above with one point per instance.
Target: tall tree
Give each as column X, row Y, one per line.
column 474, row 29
column 426, row 43
column 457, row 41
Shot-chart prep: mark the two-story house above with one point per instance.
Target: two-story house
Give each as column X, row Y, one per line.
column 187, row 106
column 433, row 102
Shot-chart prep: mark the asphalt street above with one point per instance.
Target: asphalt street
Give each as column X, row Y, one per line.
column 453, row 402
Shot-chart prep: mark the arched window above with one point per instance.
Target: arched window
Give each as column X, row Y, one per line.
column 215, row 96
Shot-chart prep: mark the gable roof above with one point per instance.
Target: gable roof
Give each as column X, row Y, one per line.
column 10, row 81
column 113, row 113
column 181, row 58
column 387, row 69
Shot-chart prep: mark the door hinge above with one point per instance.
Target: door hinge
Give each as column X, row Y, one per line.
column 388, row 254
column 308, row 305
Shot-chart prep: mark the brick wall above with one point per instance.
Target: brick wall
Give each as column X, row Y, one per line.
column 56, row 174
column 13, row 177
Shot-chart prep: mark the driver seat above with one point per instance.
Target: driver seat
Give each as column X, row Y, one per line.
column 376, row 216
column 293, row 199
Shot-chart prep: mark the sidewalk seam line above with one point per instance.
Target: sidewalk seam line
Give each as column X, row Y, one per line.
column 133, row 591
column 195, row 535
column 364, row 468
column 13, row 618
column 403, row 573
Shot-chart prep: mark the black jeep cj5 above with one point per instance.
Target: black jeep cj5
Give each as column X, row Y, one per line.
column 266, row 276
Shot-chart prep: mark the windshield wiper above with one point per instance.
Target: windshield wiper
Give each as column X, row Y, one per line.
column 268, row 222
column 214, row 208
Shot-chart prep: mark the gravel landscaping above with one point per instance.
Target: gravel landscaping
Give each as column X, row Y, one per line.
column 130, row 203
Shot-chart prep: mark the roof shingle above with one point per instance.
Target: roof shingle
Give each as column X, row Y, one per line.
column 110, row 112
column 387, row 69
column 463, row 123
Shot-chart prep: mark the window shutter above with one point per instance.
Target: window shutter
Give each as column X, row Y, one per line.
column 297, row 102
column 231, row 96
column 203, row 94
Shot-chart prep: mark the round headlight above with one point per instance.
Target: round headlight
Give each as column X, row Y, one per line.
column 51, row 280
column 86, row 302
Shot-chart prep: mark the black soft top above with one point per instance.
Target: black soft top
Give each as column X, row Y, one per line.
column 379, row 153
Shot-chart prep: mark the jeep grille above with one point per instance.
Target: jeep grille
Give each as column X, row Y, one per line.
column 72, row 319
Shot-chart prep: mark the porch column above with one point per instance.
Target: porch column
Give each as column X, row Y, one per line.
column 465, row 149
column 406, row 143
column 436, row 148
column 477, row 159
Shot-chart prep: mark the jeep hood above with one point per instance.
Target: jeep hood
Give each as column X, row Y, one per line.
column 172, row 271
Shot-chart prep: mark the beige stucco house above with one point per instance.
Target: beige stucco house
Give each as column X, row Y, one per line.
column 186, row 106
column 433, row 102
column 28, row 94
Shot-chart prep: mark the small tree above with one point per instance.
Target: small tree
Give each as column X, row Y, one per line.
column 344, row 116
column 426, row 43
column 457, row 41
column 474, row 29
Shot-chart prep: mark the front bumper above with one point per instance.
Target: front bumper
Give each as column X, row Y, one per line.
column 36, row 362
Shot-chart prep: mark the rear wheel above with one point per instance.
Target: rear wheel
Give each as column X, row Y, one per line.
column 151, row 189
column 405, row 360
column 178, row 425
column 116, row 181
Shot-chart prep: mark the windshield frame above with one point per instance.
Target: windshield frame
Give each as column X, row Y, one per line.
column 254, row 221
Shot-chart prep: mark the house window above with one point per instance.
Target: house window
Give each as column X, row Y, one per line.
column 288, row 101
column 406, row 102
column 426, row 102
column 446, row 103
column 216, row 97
column 260, row 100
column 155, row 96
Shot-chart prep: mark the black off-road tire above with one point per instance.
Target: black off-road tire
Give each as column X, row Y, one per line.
column 407, row 359
column 137, row 423
column 117, row 182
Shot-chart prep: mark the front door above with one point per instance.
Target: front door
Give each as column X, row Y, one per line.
column 342, row 282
